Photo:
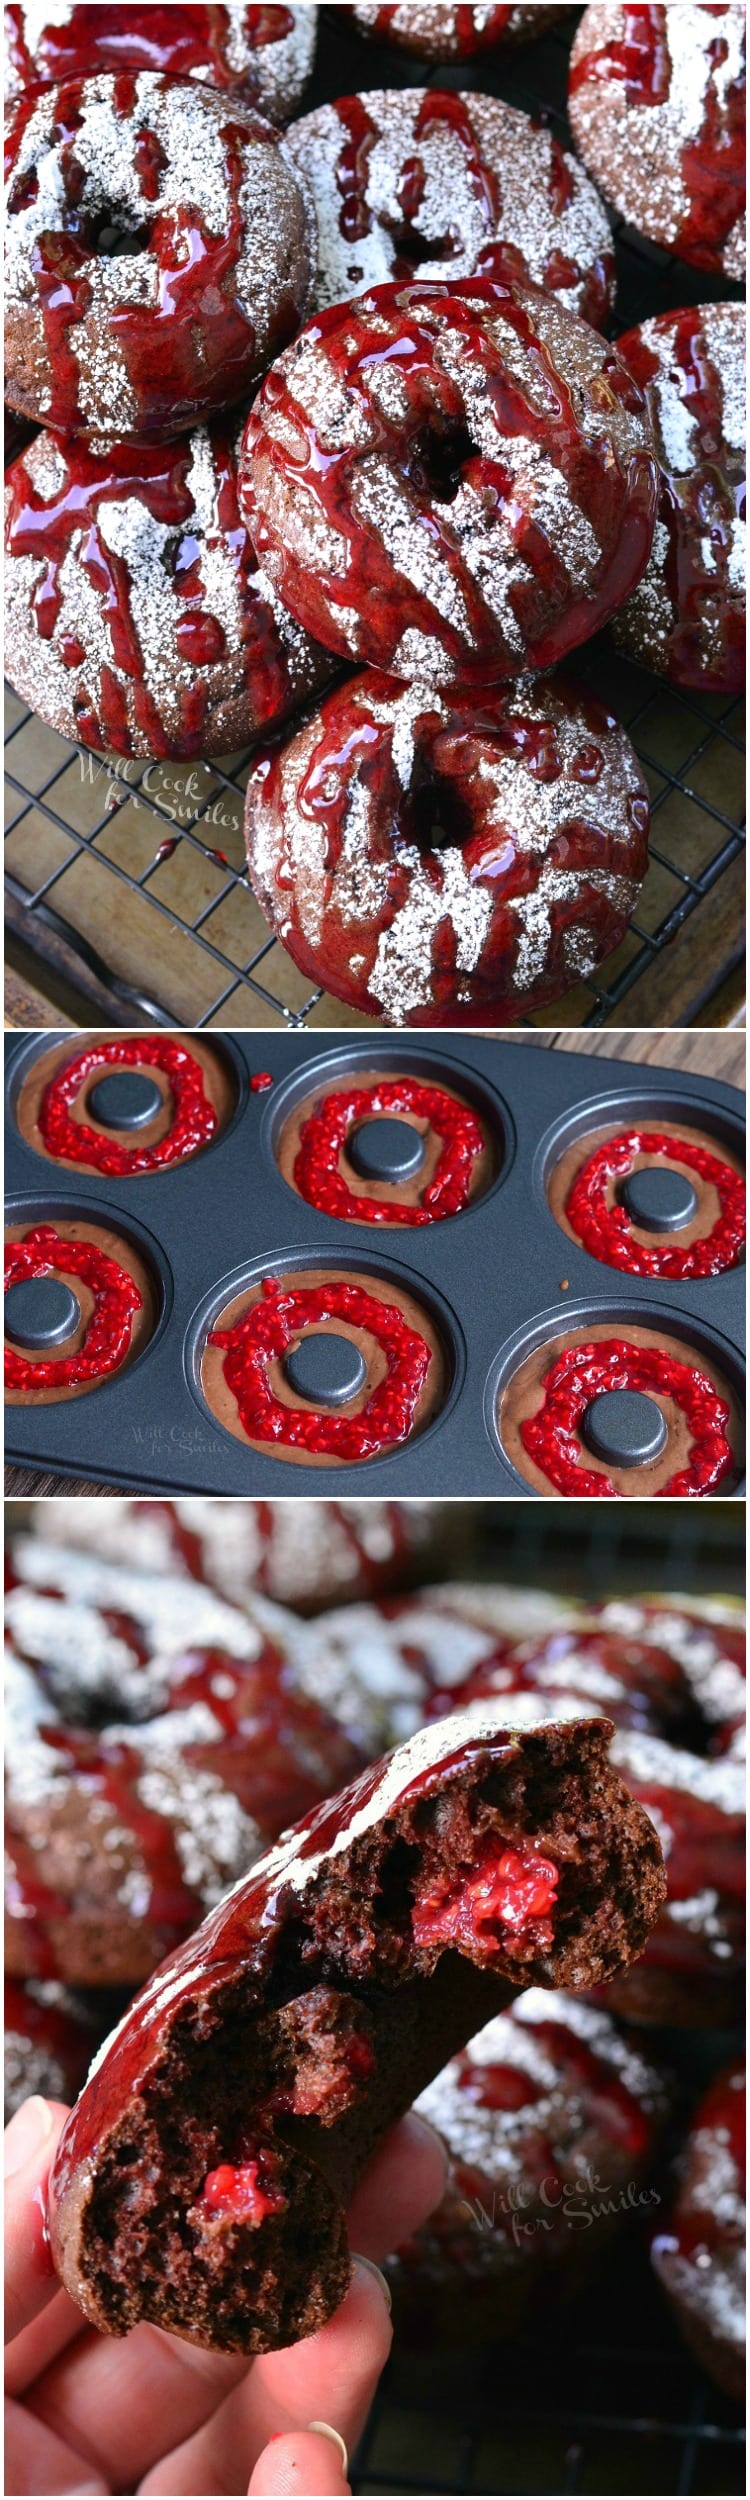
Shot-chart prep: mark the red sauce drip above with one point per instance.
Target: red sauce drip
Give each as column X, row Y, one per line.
column 552, row 613
column 245, row 2193
column 697, row 509
column 327, row 1131
column 604, row 2097
column 48, row 528
column 177, row 40
column 193, row 1119
column 705, row 1854
column 463, row 35
column 271, row 1326
column 116, row 1301
column 512, row 1888
column 259, row 1084
column 355, row 218
column 552, row 1436
column 712, row 163
column 607, row 1232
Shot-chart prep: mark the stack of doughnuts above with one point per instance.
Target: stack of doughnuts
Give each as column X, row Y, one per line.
column 448, row 480
column 167, row 1717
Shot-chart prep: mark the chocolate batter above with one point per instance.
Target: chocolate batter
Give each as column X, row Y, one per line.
column 217, row 1083
column 143, row 1324
column 223, row 1404
column 524, row 1395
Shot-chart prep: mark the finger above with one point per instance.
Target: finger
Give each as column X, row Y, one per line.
column 300, row 2461
column 30, row 2143
column 331, row 2378
column 404, row 2182
column 36, row 2461
column 38, row 2346
column 125, row 2403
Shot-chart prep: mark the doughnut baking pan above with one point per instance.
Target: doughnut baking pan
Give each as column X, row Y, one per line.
column 492, row 1282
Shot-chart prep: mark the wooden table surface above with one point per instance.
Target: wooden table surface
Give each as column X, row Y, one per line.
column 702, row 1054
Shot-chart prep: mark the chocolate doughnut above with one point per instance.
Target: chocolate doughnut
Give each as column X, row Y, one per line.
column 115, row 1314
column 454, row 483
column 660, row 123
column 159, row 252
column 324, row 1991
column 137, row 618
column 421, row 183
column 262, row 55
column 698, row 2249
column 686, row 619
column 397, row 1364
column 436, row 31
column 449, row 858
column 304, row 1554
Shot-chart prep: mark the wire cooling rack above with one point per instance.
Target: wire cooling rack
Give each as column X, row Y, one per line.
column 130, row 881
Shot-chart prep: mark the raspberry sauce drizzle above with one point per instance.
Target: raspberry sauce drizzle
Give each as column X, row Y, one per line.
column 268, row 1330
column 697, row 509
column 66, row 523
column 551, row 1436
column 330, row 1125
column 117, row 1299
column 606, row 1230
column 193, row 1120
column 712, row 161
column 175, row 40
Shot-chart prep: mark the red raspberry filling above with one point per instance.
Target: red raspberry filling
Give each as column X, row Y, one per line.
column 193, row 1119
column 116, row 1301
column 516, row 1889
column 268, row 1330
column 245, row 2193
column 552, row 1436
column 328, row 1131
column 606, row 1231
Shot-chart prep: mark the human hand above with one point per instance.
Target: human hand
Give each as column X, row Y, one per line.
column 149, row 2413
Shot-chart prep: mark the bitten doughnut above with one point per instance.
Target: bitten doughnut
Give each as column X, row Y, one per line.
column 304, row 1554
column 686, row 619
column 323, row 1992
column 449, row 858
column 68, row 1111
column 657, row 110
column 270, row 1374
column 421, row 183
column 453, row 483
column 698, row 2249
column 557, row 1421
column 159, row 252
column 101, row 1311
column 344, row 1146
column 436, row 31
column 156, row 1739
column 263, row 56
column 136, row 616
column 597, row 1217
column 551, row 2120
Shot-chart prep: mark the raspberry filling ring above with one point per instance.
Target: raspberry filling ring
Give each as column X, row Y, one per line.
column 116, row 1302
column 582, row 1373
column 193, row 1119
column 273, row 1327
column 330, row 1127
column 606, row 1231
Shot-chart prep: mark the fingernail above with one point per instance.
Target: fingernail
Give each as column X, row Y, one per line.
column 26, row 2133
column 327, row 2432
column 370, row 2268
column 434, row 2138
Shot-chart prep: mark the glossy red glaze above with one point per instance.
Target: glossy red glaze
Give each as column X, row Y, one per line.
column 513, row 1888
column 193, row 1118
column 636, row 1683
column 583, row 2073
column 450, row 817
column 704, row 1848
column 176, row 40
column 552, row 1436
column 53, row 528
column 420, row 456
column 268, row 1330
column 334, row 1121
column 117, row 1298
column 712, row 163
column 699, row 508
column 190, row 346
column 245, row 2194
column 607, row 1231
